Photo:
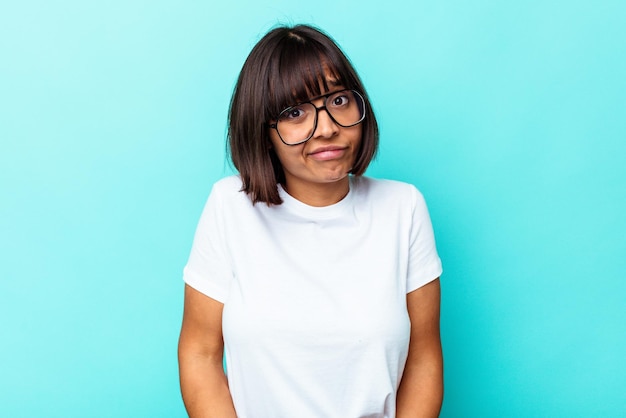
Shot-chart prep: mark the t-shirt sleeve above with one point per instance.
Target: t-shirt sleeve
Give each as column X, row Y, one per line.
column 424, row 262
column 208, row 268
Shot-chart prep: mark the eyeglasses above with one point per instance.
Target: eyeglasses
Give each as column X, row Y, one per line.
column 296, row 124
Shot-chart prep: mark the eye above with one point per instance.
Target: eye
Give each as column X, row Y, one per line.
column 340, row 100
column 292, row 114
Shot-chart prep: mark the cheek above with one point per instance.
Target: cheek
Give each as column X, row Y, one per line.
column 287, row 155
column 358, row 139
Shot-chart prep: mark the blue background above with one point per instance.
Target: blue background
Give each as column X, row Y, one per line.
column 509, row 116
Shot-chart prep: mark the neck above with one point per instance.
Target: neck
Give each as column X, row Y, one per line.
column 319, row 194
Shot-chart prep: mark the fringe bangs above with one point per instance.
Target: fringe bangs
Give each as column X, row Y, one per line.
column 300, row 71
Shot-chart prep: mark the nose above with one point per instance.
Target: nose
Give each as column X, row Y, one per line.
column 326, row 126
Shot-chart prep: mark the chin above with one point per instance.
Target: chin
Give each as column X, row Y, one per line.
column 336, row 177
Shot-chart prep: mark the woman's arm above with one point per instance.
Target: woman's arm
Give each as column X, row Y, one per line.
column 421, row 389
column 200, row 352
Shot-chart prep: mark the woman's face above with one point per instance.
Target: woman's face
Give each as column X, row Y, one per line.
column 325, row 160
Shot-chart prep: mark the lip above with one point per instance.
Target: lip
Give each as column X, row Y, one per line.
column 331, row 152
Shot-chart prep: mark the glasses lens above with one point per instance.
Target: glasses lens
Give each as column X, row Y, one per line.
column 295, row 124
column 346, row 107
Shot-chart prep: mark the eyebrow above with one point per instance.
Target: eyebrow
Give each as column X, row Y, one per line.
column 310, row 99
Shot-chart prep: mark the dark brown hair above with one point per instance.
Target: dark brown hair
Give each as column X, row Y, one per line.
column 285, row 67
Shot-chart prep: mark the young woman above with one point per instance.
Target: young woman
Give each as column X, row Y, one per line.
column 318, row 285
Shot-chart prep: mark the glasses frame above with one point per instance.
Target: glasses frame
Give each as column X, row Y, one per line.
column 317, row 110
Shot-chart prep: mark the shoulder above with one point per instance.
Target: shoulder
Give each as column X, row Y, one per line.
column 387, row 190
column 227, row 188
column 227, row 185
column 227, row 193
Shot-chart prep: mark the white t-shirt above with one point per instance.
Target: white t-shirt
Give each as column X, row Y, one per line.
column 315, row 322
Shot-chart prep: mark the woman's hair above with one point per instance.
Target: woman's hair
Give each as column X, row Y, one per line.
column 288, row 65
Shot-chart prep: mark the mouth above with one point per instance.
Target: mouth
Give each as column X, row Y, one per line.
column 331, row 152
